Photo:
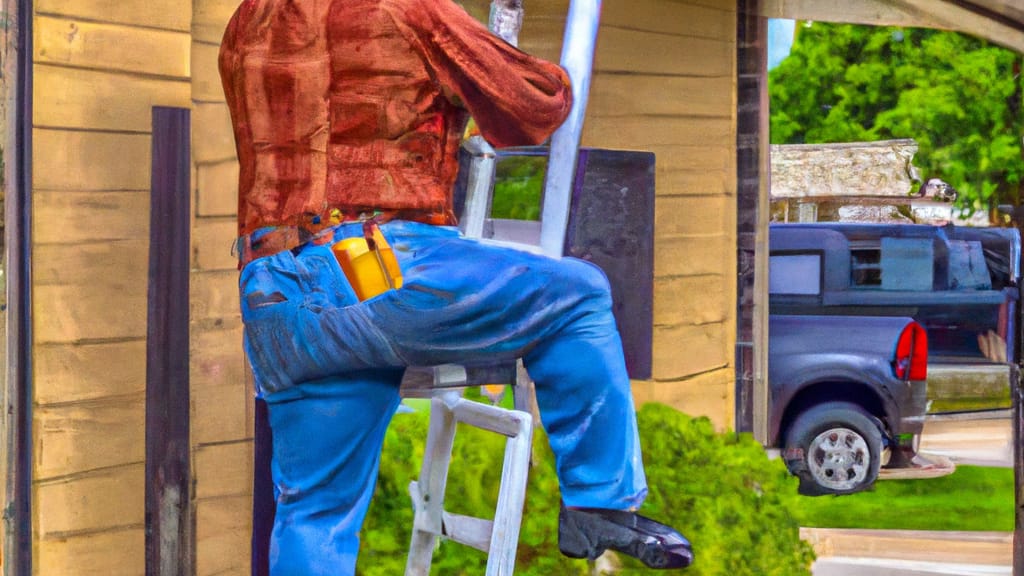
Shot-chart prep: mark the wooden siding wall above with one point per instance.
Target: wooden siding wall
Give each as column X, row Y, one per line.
column 664, row 83
column 222, row 397
column 99, row 67
column 664, row 80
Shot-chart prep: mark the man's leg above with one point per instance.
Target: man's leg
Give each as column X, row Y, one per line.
column 466, row 301
column 327, row 438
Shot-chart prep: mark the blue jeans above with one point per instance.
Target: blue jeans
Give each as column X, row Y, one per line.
column 329, row 368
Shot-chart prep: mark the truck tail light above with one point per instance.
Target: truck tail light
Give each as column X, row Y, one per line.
column 912, row 353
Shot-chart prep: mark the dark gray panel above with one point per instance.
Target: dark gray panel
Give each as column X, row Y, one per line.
column 612, row 225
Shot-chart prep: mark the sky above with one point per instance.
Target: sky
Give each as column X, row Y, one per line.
column 780, row 40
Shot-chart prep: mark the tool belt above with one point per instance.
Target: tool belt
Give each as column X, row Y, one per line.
column 368, row 262
column 319, row 229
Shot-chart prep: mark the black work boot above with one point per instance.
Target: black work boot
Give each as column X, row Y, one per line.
column 588, row 532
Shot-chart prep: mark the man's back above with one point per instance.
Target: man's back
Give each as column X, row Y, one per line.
column 357, row 105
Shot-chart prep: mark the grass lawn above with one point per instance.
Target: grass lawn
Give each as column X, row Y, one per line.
column 972, row 498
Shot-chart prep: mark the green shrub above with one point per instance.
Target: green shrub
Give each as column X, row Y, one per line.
column 720, row 490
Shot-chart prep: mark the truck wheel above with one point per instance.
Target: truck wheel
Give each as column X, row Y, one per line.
column 834, row 448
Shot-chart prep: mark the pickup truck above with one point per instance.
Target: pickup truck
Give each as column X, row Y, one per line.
column 960, row 283
column 847, row 393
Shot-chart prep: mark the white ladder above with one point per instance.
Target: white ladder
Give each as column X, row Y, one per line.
column 499, row 537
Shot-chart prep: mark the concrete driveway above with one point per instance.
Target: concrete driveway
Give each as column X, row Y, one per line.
column 984, row 441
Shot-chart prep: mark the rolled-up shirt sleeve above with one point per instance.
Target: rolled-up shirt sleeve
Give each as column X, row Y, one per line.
column 516, row 99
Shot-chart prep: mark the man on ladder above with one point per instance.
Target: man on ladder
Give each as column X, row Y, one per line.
column 347, row 117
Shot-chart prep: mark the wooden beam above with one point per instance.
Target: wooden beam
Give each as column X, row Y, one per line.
column 872, row 12
column 988, row 19
column 16, row 158
column 752, row 210
column 970, row 18
column 169, row 531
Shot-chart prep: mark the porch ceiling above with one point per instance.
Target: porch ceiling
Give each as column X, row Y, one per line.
column 1001, row 21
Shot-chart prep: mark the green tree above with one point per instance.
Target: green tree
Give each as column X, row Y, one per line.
column 957, row 96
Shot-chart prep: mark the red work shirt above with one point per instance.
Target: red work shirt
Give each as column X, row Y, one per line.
column 359, row 105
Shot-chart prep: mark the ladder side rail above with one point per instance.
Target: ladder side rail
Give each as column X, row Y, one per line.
column 578, row 60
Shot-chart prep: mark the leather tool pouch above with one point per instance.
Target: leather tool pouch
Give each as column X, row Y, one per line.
column 368, row 262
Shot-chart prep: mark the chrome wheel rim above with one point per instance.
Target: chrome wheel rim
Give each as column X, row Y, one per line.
column 839, row 459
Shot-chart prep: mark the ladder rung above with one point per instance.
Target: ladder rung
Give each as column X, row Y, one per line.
column 468, row 530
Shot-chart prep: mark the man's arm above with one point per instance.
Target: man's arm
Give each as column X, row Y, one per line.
column 516, row 99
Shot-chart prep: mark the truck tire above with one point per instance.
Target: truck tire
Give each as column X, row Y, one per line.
column 834, row 448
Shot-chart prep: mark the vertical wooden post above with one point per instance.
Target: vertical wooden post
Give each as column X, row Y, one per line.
column 1018, row 460
column 752, row 182
column 17, row 197
column 169, row 530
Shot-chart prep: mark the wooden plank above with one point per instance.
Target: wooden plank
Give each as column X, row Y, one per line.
column 221, row 412
column 85, row 44
column 114, row 267
column 222, row 536
column 222, row 394
column 542, row 37
column 218, row 141
column 633, row 51
column 81, row 372
column 91, row 503
column 111, row 553
column 692, row 299
column 206, row 84
column 162, row 14
column 618, row 95
column 706, row 158
column 90, row 161
column 710, row 394
column 77, row 283
column 644, row 133
column 223, row 470
column 723, row 5
column 96, row 100
column 946, row 15
column 221, row 391
column 79, row 437
column 217, row 186
column 874, row 12
column 695, row 170
column 169, row 533
column 671, row 17
column 692, row 255
column 705, row 347
column 210, row 18
column 74, row 316
column 90, row 216
column 215, row 297
column 695, row 183
column 213, row 243
column 705, row 215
